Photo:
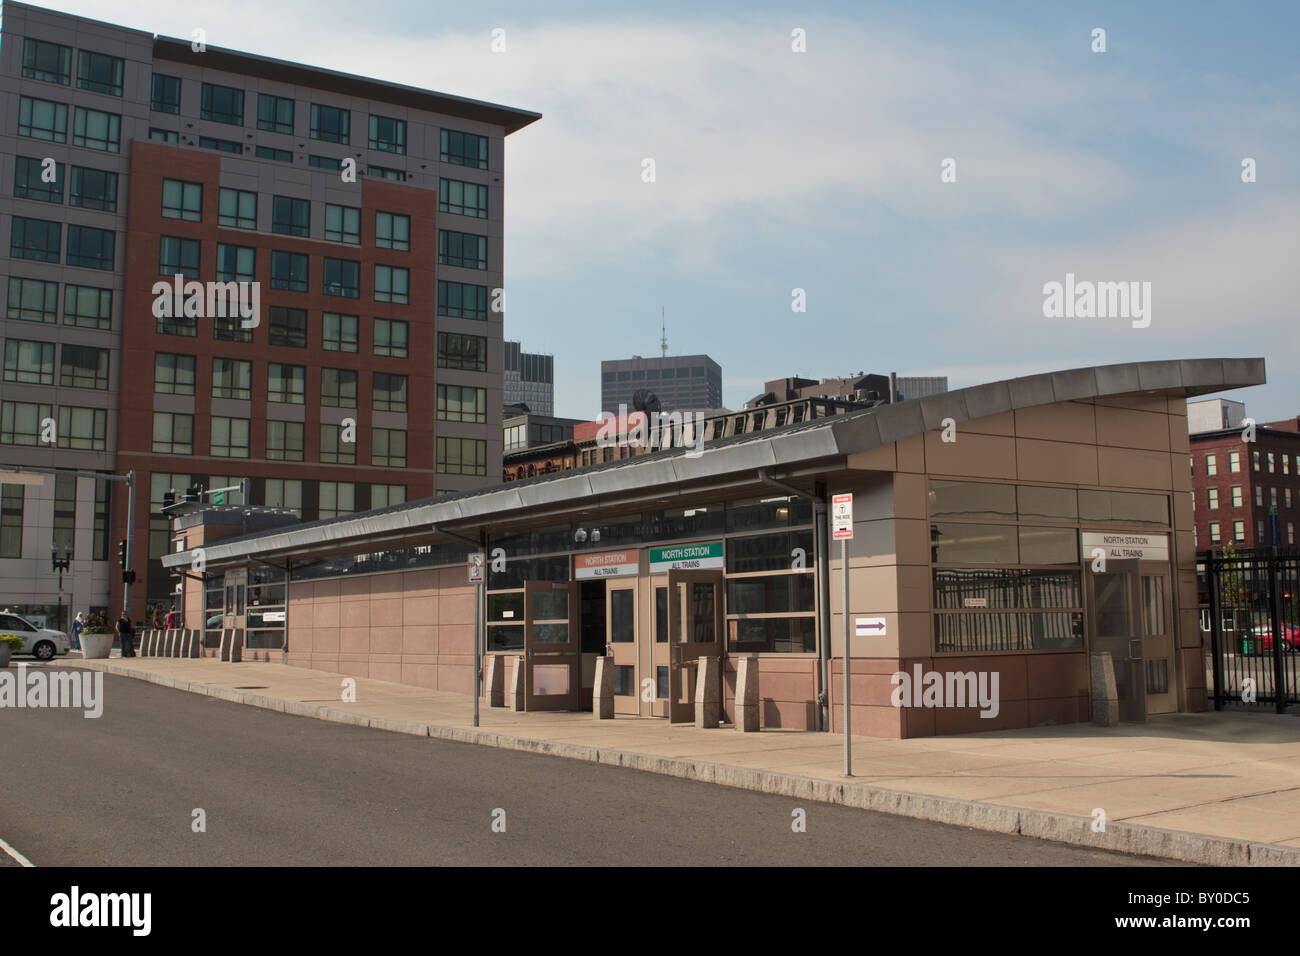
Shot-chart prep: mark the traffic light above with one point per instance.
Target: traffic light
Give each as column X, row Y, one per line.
column 121, row 553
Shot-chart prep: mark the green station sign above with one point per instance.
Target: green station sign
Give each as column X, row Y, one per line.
column 686, row 557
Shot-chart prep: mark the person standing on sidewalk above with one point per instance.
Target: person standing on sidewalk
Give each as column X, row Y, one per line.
column 173, row 619
column 126, row 635
column 78, row 623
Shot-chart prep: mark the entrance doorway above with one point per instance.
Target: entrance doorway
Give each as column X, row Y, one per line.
column 1132, row 618
column 694, row 631
column 550, row 647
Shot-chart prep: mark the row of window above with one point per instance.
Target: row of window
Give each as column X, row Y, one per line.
column 307, row 498
column 1257, row 462
column 63, row 537
column 41, row 240
column 91, row 129
column 25, row 423
column 173, row 434
column 653, row 373
column 1239, row 532
column 1212, row 497
column 52, row 63
column 88, row 188
column 32, row 363
column 35, row 300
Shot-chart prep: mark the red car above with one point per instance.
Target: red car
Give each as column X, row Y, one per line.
column 1262, row 637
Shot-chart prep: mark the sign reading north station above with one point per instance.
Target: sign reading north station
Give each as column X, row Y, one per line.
column 609, row 564
column 686, row 557
column 1119, row 546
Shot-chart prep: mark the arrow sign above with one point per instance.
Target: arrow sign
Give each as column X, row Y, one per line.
column 867, row 626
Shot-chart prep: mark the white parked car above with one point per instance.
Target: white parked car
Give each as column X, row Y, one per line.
column 41, row 642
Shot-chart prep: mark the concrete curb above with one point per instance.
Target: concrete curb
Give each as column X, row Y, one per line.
column 1119, row 836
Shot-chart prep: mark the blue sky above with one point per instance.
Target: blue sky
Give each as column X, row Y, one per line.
column 820, row 170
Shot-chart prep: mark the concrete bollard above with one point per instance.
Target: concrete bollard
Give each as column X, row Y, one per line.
column 708, row 702
column 1105, row 699
column 232, row 645
column 517, row 683
column 602, row 694
column 148, row 645
column 747, row 694
column 496, row 680
column 173, row 643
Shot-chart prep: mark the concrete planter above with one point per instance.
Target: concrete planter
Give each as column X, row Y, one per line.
column 96, row 645
column 4, row 655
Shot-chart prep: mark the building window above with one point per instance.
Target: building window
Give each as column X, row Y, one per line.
column 173, row 374
column 388, row 447
column 229, row 437
column 336, row 498
column 36, row 239
column 462, row 249
column 95, row 129
column 289, row 271
column 338, row 388
column 90, row 248
column 1288, row 497
column 1290, row 532
column 464, row 149
column 325, row 162
column 64, row 538
column 286, row 383
column 222, row 104
column 385, row 496
column 1238, row 531
column 1213, row 495
column 87, row 306
column 288, row 327
column 235, row 263
column 467, row 352
column 29, row 363
column 462, row 403
column 99, row 72
column 220, row 145
column 331, row 124
column 391, row 338
column 21, row 423
column 173, row 433
column 283, row 493
column 99, row 523
column 1259, row 496
column 385, row 172
column 1234, row 462
column 1254, row 455
column 333, row 449
column 387, row 134
column 83, row 428
column 271, row 153
column 343, row 224
column 1286, row 464
column 460, row 300
column 182, row 200
column 389, row 392
column 229, row 329
column 48, row 62
column 166, row 96
column 1271, row 463
column 391, row 284
column 1236, row 496
column 284, row 441
column 1273, row 498
column 43, row 119
column 163, row 135
column 1211, row 465
column 461, row 456
column 392, row 231
column 83, row 366
column 232, row 378
column 11, row 521
column 342, row 277
column 290, row 217
column 463, row 199
column 340, row 332
column 238, row 209
column 32, row 300
column 178, row 256
column 275, row 113
column 93, row 189
column 29, row 182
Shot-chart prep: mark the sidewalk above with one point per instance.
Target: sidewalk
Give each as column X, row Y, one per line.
column 1220, row 789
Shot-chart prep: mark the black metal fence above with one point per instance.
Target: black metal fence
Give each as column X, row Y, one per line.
column 1250, row 610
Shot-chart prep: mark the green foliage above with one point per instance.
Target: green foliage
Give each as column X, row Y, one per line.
column 13, row 640
column 95, row 624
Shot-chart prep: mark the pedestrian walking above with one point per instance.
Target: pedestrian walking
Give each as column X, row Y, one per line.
column 78, row 623
column 157, row 617
column 126, row 635
column 173, row 619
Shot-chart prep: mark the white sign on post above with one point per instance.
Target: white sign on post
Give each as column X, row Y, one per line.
column 842, row 517
column 474, row 565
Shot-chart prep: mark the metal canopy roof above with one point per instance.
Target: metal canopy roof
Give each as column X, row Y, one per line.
column 736, row 460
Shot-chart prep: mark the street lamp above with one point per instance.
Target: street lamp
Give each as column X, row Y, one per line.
column 60, row 564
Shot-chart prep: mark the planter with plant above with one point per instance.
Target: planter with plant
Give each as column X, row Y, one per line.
column 96, row 637
column 10, row 644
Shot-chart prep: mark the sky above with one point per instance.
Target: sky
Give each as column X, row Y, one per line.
column 820, row 170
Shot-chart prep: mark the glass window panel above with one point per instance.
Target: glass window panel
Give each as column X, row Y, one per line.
column 969, row 499
column 952, row 543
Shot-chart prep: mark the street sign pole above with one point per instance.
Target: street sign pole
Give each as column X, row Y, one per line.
column 475, row 567
column 842, row 528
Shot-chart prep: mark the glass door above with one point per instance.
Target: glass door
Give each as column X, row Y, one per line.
column 620, row 624
column 1157, row 637
column 1114, row 607
column 694, row 631
column 551, row 674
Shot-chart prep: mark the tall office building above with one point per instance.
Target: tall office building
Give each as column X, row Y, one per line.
column 371, row 373
column 680, row 381
column 529, row 379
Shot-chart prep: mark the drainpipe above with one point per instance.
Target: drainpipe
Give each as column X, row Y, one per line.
column 893, row 388
column 822, row 546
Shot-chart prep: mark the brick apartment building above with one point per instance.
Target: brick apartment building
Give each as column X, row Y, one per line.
column 373, row 374
column 1238, row 485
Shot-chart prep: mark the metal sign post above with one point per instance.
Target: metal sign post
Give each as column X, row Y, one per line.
column 474, row 565
column 842, row 522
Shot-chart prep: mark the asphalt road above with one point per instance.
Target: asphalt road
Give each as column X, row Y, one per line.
column 122, row 789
